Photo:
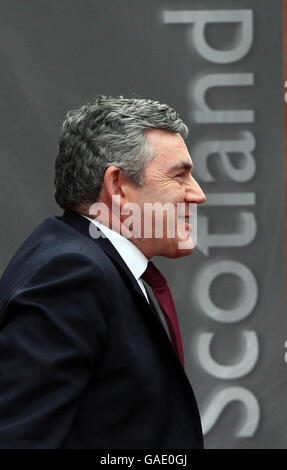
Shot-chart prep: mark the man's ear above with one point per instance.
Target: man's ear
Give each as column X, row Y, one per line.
column 116, row 184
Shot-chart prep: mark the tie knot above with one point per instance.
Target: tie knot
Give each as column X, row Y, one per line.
column 153, row 276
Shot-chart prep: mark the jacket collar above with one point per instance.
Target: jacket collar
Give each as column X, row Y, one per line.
column 82, row 224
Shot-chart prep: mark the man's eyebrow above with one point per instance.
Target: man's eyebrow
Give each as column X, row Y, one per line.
column 182, row 166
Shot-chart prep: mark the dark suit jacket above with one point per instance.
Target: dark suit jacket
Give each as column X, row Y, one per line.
column 85, row 361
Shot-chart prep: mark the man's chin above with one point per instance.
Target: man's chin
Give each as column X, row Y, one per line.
column 179, row 248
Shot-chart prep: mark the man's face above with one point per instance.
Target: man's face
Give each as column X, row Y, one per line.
column 168, row 179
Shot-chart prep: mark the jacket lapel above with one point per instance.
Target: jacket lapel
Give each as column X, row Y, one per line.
column 82, row 224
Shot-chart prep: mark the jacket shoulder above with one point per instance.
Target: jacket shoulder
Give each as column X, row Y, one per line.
column 52, row 242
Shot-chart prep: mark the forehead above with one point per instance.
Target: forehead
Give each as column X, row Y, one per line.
column 169, row 149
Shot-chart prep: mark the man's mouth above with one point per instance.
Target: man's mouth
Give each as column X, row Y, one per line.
column 187, row 221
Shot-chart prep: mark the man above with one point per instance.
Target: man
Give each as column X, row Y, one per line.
column 85, row 359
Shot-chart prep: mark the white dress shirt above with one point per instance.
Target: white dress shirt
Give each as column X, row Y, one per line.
column 132, row 256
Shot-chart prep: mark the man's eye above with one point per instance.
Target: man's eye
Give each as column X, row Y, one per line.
column 181, row 174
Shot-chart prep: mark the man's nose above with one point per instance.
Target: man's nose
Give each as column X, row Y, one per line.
column 194, row 193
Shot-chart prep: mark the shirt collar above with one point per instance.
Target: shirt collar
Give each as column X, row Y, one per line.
column 134, row 258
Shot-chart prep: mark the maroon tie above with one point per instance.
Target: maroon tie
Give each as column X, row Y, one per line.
column 163, row 295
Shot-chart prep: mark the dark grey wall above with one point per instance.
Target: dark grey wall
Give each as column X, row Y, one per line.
column 58, row 54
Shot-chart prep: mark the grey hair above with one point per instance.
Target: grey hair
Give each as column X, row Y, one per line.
column 107, row 131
